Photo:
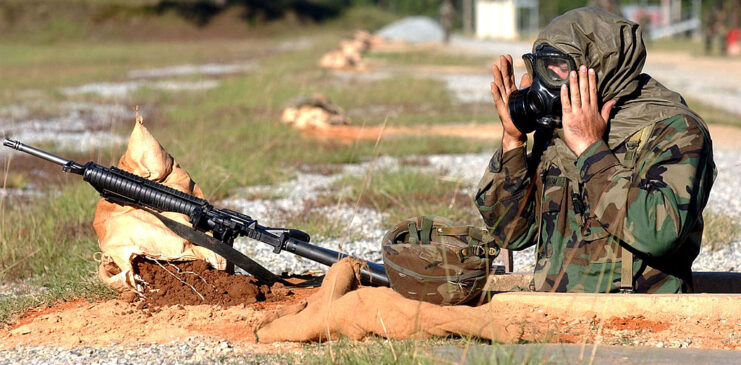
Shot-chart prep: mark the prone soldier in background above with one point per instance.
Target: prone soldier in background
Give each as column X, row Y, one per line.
column 620, row 170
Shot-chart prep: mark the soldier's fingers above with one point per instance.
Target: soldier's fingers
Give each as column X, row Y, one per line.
column 526, row 81
column 498, row 80
column 565, row 103
column 607, row 109
column 584, row 87
column 593, row 89
column 511, row 68
column 504, row 66
column 495, row 93
column 574, row 87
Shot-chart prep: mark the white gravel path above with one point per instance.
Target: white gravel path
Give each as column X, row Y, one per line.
column 71, row 126
column 196, row 350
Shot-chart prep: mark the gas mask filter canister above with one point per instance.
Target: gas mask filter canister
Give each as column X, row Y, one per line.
column 539, row 106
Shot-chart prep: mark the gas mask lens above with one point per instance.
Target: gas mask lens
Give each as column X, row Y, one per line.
column 553, row 71
column 540, row 104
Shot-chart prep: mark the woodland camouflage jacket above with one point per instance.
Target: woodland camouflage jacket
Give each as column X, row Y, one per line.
column 655, row 207
column 580, row 211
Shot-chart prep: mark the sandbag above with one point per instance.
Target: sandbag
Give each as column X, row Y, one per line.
column 342, row 308
column 125, row 232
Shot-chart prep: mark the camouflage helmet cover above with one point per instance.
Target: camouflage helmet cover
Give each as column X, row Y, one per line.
column 430, row 259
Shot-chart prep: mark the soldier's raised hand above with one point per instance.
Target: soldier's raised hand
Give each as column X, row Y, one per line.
column 583, row 121
column 502, row 86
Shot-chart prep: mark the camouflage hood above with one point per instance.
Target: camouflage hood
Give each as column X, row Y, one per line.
column 614, row 47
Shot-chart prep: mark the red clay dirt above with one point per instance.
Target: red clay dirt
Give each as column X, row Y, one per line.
column 195, row 282
column 189, row 299
column 80, row 323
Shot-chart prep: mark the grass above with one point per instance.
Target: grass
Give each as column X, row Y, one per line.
column 430, row 351
column 406, row 193
column 695, row 48
column 56, row 253
column 713, row 115
column 720, row 230
column 56, row 290
column 36, row 242
column 429, row 57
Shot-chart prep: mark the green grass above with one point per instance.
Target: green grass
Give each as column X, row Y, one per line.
column 52, row 242
column 430, row 57
column 48, row 67
column 36, row 242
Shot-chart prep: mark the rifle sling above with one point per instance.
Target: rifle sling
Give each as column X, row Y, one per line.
column 226, row 251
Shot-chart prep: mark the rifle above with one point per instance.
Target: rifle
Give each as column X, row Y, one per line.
column 122, row 187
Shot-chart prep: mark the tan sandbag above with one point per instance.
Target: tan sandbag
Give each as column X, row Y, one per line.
column 125, row 232
column 339, row 308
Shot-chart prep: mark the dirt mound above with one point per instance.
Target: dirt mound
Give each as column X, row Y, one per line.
column 166, row 283
column 635, row 323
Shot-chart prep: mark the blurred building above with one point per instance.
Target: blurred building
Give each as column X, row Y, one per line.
column 666, row 19
column 506, row 19
column 512, row 19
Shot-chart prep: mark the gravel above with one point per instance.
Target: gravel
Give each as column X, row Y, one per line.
column 70, row 126
column 196, row 350
column 124, row 89
column 210, row 69
column 18, row 288
column 413, row 29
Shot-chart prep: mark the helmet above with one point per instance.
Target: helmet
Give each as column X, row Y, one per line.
column 429, row 258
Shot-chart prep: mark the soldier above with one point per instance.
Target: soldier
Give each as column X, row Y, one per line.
column 447, row 16
column 620, row 170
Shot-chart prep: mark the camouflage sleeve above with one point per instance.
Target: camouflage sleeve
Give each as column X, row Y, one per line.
column 504, row 201
column 651, row 206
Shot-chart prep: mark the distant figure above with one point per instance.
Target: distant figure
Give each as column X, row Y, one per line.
column 644, row 21
column 612, row 6
column 715, row 30
column 447, row 16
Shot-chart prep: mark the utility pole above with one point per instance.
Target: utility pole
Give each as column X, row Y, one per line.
column 467, row 17
column 697, row 14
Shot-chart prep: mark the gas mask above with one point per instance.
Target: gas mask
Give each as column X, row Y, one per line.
column 539, row 106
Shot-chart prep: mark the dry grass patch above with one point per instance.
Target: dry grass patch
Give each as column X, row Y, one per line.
column 405, row 193
column 720, row 230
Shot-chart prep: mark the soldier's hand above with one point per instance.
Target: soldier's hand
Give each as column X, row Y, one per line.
column 583, row 122
column 502, row 86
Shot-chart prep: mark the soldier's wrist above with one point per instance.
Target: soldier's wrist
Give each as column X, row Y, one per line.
column 510, row 142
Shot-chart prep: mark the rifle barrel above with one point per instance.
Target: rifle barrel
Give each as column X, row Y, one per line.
column 17, row 145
